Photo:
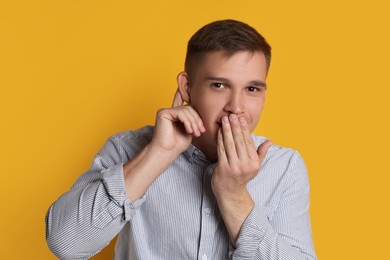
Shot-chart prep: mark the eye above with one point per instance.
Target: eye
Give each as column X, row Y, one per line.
column 218, row 85
column 253, row 89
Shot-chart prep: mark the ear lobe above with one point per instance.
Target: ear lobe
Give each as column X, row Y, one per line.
column 183, row 86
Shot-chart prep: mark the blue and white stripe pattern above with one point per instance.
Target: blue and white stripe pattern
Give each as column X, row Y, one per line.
column 178, row 217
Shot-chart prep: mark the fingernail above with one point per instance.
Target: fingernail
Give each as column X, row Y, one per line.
column 233, row 117
column 225, row 120
column 242, row 120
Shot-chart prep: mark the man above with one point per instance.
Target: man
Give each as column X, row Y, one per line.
column 198, row 185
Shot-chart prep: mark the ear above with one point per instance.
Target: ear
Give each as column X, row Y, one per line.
column 183, row 86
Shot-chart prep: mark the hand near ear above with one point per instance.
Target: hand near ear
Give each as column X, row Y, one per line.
column 176, row 126
column 172, row 135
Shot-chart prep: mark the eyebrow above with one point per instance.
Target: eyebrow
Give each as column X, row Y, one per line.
column 257, row 83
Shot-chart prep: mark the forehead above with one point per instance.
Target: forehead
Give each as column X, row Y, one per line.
column 239, row 66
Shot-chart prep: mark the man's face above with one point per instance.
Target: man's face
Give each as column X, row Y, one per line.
column 223, row 85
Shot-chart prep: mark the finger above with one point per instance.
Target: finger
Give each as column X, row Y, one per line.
column 197, row 118
column 221, row 148
column 263, row 149
column 193, row 120
column 177, row 100
column 183, row 115
column 250, row 145
column 228, row 141
column 238, row 137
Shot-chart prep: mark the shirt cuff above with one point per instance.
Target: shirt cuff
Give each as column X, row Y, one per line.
column 114, row 183
column 251, row 234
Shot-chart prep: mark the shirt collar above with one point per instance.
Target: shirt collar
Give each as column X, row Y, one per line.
column 194, row 155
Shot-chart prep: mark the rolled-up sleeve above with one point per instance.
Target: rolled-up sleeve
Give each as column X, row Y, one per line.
column 288, row 234
column 87, row 217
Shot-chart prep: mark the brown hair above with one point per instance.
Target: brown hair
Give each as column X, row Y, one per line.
column 229, row 36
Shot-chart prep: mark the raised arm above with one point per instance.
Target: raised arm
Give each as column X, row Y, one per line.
column 87, row 217
column 253, row 236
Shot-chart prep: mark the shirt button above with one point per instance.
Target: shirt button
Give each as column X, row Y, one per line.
column 207, row 211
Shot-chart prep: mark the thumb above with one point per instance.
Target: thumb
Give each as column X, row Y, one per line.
column 177, row 100
column 263, row 149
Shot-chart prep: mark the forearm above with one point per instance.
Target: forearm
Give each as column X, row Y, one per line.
column 234, row 209
column 251, row 234
column 101, row 202
column 281, row 230
column 140, row 172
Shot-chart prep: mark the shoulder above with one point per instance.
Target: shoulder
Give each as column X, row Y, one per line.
column 284, row 160
column 282, row 172
column 145, row 132
column 124, row 145
column 277, row 152
column 283, row 168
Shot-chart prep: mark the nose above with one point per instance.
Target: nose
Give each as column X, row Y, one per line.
column 235, row 104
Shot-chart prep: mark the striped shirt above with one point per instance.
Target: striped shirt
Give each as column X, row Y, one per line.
column 178, row 216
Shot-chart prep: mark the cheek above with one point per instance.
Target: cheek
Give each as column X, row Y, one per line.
column 208, row 109
column 255, row 111
column 208, row 115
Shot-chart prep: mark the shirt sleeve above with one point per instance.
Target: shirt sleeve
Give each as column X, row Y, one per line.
column 87, row 217
column 287, row 236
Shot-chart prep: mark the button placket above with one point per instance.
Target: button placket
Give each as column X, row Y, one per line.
column 208, row 222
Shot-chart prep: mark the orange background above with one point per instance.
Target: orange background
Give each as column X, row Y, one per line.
column 73, row 73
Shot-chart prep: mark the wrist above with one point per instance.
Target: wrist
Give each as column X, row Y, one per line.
column 228, row 189
column 234, row 208
column 162, row 154
column 232, row 199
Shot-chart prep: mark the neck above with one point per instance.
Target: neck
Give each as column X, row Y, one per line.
column 207, row 148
